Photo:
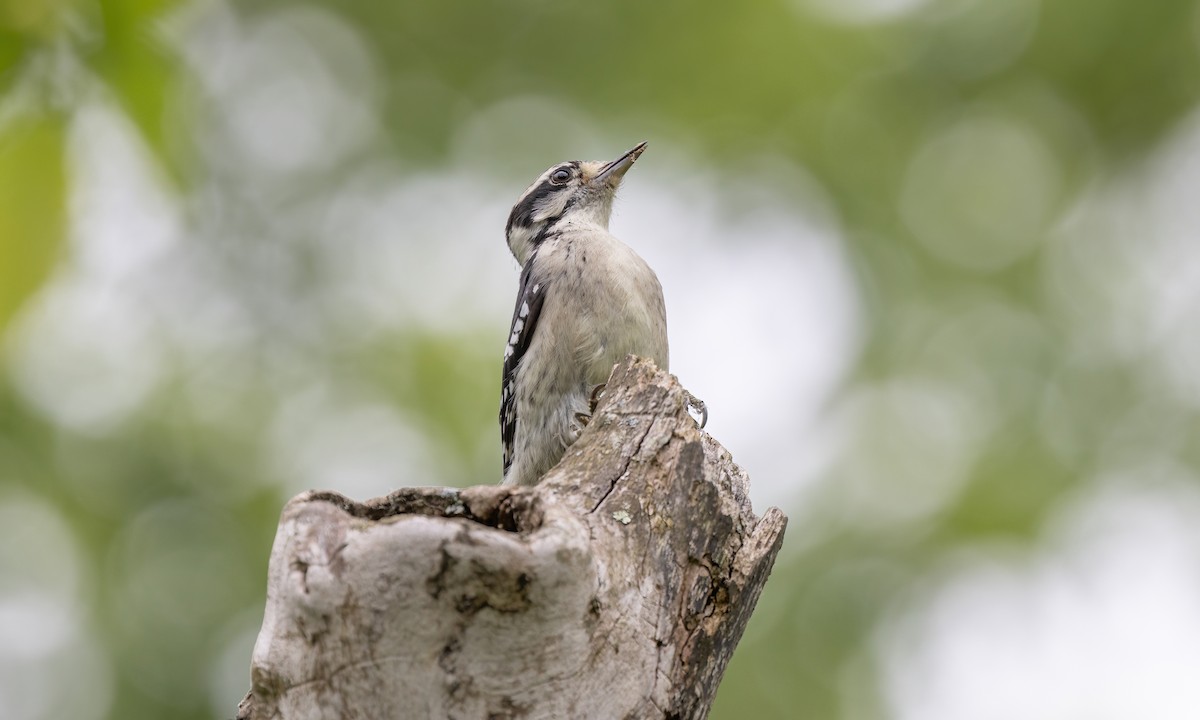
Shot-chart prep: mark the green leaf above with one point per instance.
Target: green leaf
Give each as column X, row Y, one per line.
column 33, row 190
column 141, row 70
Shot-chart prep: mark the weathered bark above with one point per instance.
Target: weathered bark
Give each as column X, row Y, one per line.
column 616, row 588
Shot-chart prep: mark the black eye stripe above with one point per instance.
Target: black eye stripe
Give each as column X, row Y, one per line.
column 522, row 212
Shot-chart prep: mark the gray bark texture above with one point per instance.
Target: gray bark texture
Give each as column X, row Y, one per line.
column 616, row 588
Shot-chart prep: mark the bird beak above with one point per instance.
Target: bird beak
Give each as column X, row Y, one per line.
column 615, row 170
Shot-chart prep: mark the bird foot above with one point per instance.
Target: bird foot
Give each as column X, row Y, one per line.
column 597, row 393
column 696, row 405
column 582, row 419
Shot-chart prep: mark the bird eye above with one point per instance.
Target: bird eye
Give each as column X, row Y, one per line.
column 560, row 177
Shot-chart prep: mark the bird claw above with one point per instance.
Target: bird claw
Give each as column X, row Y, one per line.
column 582, row 419
column 696, row 405
column 597, row 393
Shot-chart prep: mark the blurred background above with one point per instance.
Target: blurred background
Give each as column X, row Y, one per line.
column 933, row 264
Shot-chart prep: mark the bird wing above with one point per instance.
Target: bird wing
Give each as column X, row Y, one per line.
column 530, row 297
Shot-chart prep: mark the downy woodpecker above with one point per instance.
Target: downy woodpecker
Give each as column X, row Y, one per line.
column 586, row 300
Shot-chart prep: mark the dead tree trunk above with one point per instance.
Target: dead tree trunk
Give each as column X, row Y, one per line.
column 617, row 588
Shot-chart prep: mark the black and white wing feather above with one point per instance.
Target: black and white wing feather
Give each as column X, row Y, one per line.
column 530, row 297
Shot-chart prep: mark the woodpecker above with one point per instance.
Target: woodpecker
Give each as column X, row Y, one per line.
column 585, row 301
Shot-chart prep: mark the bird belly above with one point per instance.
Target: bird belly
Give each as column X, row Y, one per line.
column 635, row 325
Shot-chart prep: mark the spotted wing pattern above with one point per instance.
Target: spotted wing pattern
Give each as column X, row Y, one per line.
column 530, row 297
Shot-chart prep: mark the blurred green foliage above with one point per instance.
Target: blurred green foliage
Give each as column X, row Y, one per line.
column 32, row 209
column 953, row 140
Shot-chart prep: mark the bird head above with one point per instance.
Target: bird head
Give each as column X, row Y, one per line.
column 575, row 192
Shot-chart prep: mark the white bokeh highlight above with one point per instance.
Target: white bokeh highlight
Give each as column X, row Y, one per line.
column 363, row 450
column 45, row 641
column 1100, row 622
column 295, row 88
column 980, row 193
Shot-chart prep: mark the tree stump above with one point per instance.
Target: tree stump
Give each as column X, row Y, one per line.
column 616, row 588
